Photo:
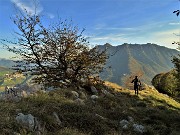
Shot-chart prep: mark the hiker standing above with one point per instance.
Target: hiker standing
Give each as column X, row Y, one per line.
column 137, row 84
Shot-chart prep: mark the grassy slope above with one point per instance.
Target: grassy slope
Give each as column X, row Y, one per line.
column 159, row 113
column 6, row 81
column 4, row 71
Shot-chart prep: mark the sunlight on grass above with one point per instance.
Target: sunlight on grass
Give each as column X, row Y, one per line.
column 150, row 94
column 157, row 112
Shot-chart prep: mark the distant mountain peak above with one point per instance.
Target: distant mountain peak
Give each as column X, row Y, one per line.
column 107, row 45
column 132, row 59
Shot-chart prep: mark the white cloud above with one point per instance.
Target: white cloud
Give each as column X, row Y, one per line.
column 104, row 26
column 110, row 38
column 116, row 28
column 166, row 38
column 30, row 6
column 161, row 33
column 163, row 37
column 174, row 23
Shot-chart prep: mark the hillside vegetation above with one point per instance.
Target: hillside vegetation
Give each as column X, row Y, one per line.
column 158, row 113
column 167, row 83
column 144, row 60
column 4, row 70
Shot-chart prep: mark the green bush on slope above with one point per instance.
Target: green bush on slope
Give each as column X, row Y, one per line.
column 166, row 83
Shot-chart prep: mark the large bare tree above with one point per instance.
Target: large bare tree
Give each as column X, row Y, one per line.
column 56, row 55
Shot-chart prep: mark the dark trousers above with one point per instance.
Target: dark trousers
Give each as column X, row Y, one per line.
column 136, row 88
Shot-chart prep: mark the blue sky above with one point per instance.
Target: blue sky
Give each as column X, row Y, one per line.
column 112, row 21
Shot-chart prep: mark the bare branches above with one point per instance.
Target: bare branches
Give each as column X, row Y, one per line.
column 58, row 55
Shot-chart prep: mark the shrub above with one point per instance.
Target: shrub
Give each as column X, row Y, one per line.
column 166, row 83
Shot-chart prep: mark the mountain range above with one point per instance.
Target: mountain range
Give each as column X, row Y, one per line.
column 6, row 63
column 128, row 60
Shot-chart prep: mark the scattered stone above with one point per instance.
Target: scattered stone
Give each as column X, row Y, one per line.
column 94, row 97
column 124, row 124
column 26, row 121
column 105, row 92
column 75, row 94
column 79, row 101
column 94, row 90
column 125, row 127
column 138, row 128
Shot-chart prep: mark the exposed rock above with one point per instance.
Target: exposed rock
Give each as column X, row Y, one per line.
column 138, row 128
column 75, row 94
column 127, row 124
column 105, row 92
column 79, row 101
column 124, row 124
column 94, row 97
column 26, row 121
column 94, row 90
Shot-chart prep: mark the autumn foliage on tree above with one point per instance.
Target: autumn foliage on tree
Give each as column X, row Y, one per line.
column 57, row 55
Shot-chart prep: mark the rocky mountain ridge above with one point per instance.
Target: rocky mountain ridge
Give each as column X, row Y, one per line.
column 144, row 60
